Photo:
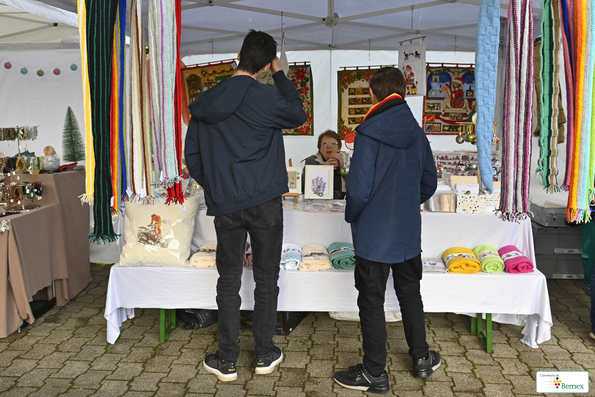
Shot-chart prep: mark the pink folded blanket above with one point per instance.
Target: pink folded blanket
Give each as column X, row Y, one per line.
column 514, row 260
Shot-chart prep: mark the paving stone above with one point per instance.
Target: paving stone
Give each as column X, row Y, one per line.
column 586, row 360
column 19, row 392
column 139, row 355
column 52, row 387
column 6, row 382
column 171, row 389
column 147, row 381
column 321, row 352
column 38, row 351
column 293, row 377
column 190, row 357
column 203, row 383
column 466, row 383
column 78, row 393
column 90, row 379
column 35, row 378
column 19, row 367
column 454, row 364
column 125, row 371
column 170, row 348
column 113, row 387
column 522, row 384
column 72, row 369
column 90, row 353
column 228, row 390
column 451, row 348
column 72, row 345
column 320, row 369
column 490, row 374
column 296, row 359
column 442, row 389
column 320, row 387
column 347, row 344
column 261, row 385
column 106, row 362
column 494, row 390
column 282, row 391
column 401, row 381
column 512, row 367
column 568, row 365
column 480, row 357
column 181, row 373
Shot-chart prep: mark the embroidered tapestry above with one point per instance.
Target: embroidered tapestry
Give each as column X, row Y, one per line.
column 450, row 102
column 301, row 75
column 354, row 98
column 412, row 62
column 199, row 78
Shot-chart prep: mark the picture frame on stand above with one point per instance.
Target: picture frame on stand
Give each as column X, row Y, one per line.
column 294, row 179
column 319, row 182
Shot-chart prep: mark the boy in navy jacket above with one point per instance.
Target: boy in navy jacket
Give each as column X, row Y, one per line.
column 234, row 150
column 392, row 172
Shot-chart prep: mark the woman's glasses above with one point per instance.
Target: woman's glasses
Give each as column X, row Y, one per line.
column 329, row 143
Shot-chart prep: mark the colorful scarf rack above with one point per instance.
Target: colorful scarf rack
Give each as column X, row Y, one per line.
column 518, row 90
column 486, row 76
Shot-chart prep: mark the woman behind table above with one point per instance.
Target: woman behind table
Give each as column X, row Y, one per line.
column 329, row 145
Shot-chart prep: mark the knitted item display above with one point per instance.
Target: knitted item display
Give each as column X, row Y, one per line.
column 486, row 73
column 516, row 137
column 569, row 53
column 548, row 120
column 101, row 16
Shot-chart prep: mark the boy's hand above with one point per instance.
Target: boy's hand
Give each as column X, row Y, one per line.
column 275, row 65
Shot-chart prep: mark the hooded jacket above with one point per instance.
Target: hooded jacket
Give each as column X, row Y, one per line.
column 234, row 145
column 392, row 172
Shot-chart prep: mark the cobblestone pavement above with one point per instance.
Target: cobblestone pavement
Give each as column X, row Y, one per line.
column 65, row 353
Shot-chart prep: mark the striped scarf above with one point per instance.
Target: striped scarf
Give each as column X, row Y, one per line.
column 516, row 137
column 99, row 30
column 548, row 120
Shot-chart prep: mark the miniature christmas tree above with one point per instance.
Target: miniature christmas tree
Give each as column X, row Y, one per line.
column 73, row 147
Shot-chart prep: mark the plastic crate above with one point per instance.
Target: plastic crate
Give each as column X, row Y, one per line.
column 557, row 240
column 564, row 266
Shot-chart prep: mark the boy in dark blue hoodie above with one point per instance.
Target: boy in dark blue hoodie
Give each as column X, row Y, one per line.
column 392, row 172
column 234, row 150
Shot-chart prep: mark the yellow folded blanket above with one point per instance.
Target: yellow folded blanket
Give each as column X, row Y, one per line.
column 314, row 258
column 205, row 256
column 461, row 260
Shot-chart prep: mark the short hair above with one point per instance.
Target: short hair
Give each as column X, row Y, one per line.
column 388, row 80
column 258, row 49
column 331, row 134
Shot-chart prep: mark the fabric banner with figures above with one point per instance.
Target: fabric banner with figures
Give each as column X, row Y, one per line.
column 412, row 62
column 450, row 102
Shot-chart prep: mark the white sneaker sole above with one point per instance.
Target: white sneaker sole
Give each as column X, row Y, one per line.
column 220, row 375
column 270, row 368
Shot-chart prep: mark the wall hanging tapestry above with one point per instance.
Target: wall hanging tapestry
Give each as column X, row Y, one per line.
column 450, row 103
column 354, row 98
column 412, row 62
column 199, row 78
column 518, row 94
column 301, row 75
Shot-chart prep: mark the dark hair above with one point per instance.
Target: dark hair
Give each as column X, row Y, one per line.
column 329, row 133
column 388, row 80
column 259, row 49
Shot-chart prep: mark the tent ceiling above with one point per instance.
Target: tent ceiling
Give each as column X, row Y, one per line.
column 18, row 26
column 218, row 26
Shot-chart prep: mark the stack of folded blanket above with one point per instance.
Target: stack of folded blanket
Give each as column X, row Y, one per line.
column 205, row 256
column 514, row 260
column 342, row 255
column 461, row 260
column 291, row 257
column 489, row 258
column 314, row 258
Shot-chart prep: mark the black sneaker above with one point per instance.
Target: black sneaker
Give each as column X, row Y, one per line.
column 225, row 370
column 425, row 367
column 358, row 378
column 267, row 364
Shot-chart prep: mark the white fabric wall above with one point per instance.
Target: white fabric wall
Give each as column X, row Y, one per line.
column 42, row 101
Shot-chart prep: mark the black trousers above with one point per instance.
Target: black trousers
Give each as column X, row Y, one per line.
column 370, row 281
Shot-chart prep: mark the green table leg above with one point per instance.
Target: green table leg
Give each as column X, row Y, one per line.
column 475, row 325
column 165, row 328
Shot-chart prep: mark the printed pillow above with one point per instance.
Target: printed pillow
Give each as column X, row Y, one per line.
column 158, row 234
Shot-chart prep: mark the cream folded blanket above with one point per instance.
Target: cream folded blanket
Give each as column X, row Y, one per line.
column 205, row 256
column 314, row 258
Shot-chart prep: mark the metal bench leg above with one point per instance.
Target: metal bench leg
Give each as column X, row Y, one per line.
column 164, row 328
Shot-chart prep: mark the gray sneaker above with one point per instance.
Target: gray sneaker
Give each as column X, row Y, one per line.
column 267, row 364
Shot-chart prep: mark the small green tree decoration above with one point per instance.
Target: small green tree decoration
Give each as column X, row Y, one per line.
column 73, row 147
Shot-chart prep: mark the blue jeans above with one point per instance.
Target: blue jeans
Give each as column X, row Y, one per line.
column 370, row 281
column 264, row 223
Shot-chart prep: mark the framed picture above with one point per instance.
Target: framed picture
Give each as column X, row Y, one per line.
column 294, row 179
column 319, row 182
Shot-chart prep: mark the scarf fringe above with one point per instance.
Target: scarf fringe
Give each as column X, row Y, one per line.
column 513, row 216
column 105, row 238
column 86, row 199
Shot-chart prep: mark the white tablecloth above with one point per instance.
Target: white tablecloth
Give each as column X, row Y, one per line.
column 520, row 299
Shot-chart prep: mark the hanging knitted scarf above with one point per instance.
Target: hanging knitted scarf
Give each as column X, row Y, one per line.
column 101, row 17
column 582, row 163
column 486, row 73
column 567, row 35
column 162, row 52
column 175, row 193
column 550, row 92
column 516, row 137
column 89, row 153
column 139, row 147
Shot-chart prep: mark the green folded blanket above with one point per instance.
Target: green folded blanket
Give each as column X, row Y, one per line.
column 491, row 262
column 342, row 255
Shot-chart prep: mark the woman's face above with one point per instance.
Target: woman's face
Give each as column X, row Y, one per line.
column 328, row 147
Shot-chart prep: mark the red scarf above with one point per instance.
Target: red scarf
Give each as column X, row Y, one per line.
column 385, row 100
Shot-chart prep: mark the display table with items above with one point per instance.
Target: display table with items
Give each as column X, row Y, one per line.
column 520, row 299
column 43, row 245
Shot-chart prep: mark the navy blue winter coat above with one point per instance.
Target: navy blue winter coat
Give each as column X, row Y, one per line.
column 234, row 145
column 392, row 172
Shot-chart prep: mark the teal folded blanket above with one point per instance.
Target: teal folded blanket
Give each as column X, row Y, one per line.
column 342, row 255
